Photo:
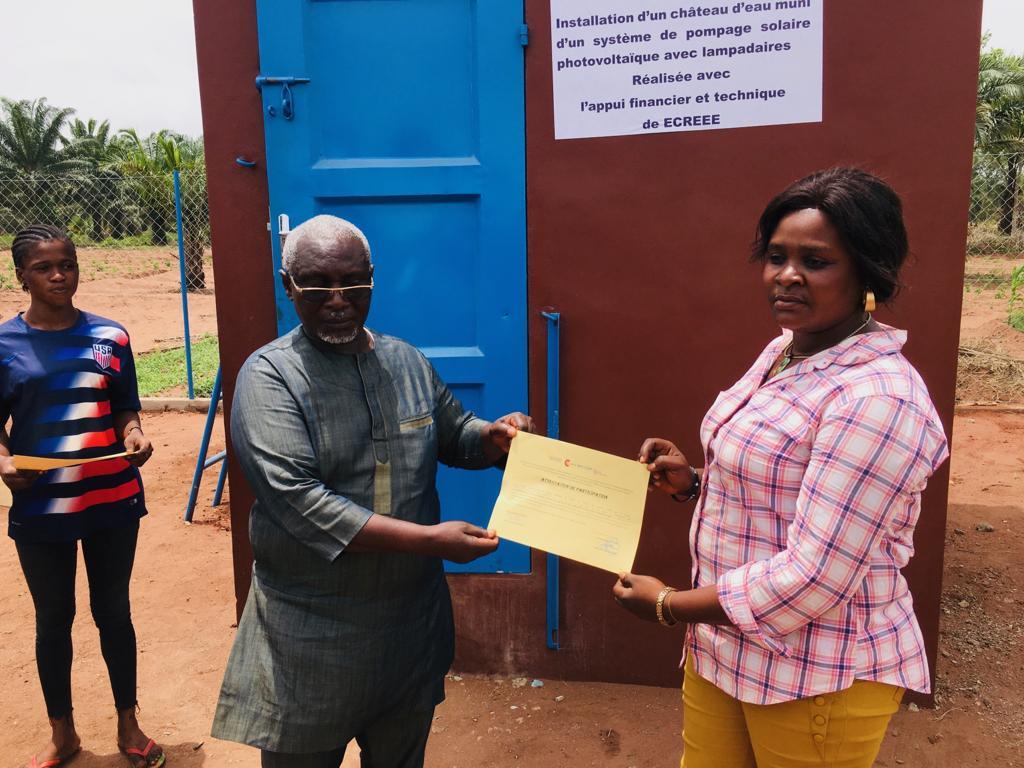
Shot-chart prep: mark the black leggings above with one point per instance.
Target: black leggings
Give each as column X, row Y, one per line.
column 50, row 572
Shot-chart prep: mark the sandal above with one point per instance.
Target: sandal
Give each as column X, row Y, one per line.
column 139, row 758
column 55, row 762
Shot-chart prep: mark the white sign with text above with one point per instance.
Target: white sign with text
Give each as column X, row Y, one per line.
column 622, row 67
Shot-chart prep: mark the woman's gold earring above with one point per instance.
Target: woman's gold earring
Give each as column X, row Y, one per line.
column 869, row 301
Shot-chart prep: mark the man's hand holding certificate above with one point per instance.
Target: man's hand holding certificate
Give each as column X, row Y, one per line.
column 572, row 501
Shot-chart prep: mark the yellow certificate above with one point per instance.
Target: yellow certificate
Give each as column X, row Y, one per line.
column 572, row 501
column 43, row 463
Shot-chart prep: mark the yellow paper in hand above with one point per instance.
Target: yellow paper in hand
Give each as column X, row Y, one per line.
column 572, row 501
column 42, row 463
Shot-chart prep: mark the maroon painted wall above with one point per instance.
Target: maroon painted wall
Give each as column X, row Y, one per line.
column 228, row 56
column 661, row 310
column 641, row 243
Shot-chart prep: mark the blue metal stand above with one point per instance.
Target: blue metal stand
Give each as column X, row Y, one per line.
column 184, row 282
column 202, row 462
column 554, row 333
column 221, row 477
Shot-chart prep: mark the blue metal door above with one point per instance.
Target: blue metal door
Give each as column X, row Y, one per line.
column 406, row 117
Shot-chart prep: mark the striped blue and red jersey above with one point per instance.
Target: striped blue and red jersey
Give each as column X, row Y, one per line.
column 61, row 389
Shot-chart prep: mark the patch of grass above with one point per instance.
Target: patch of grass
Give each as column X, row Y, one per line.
column 143, row 240
column 164, row 369
column 83, row 240
column 984, row 237
column 1016, row 303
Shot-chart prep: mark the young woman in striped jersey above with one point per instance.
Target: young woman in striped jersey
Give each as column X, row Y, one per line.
column 67, row 383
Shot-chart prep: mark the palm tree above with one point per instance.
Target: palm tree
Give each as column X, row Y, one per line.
column 92, row 141
column 151, row 162
column 144, row 162
column 999, row 123
column 190, row 160
column 32, row 158
column 30, row 140
column 98, row 194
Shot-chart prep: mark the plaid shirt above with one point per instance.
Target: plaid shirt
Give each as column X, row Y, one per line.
column 812, row 488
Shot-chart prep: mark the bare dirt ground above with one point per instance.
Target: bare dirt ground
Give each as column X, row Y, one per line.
column 184, row 615
column 183, row 603
column 138, row 287
column 993, row 371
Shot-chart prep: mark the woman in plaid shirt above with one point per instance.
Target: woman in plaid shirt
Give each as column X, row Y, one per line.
column 802, row 635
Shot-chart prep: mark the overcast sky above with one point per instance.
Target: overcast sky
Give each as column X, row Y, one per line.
column 134, row 61
column 1005, row 20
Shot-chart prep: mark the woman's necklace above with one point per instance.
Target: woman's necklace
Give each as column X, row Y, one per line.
column 788, row 355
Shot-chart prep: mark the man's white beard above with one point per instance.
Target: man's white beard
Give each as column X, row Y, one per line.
column 328, row 338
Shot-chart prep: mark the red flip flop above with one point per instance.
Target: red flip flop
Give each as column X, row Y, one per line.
column 52, row 763
column 132, row 754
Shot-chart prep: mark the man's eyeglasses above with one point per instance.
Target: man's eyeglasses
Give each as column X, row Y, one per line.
column 316, row 295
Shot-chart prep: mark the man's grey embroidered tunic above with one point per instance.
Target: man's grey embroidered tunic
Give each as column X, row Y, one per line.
column 331, row 639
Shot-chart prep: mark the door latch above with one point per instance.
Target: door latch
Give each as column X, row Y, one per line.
column 287, row 101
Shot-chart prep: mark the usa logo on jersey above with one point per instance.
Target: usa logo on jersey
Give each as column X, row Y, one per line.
column 102, row 353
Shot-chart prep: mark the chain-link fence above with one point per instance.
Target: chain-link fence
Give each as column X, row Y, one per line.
column 127, row 226
column 140, row 238
column 995, row 240
column 109, row 211
column 992, row 347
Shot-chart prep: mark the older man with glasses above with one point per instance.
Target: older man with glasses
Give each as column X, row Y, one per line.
column 347, row 632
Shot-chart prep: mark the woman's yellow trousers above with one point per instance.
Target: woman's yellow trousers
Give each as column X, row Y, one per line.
column 838, row 730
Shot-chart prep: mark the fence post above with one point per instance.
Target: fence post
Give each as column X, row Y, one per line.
column 184, row 283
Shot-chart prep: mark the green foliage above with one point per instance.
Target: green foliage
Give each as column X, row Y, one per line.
column 999, row 139
column 157, row 154
column 30, row 140
column 1016, row 302
column 91, row 141
column 147, row 165
column 164, row 370
column 104, row 187
column 128, row 241
column 999, row 121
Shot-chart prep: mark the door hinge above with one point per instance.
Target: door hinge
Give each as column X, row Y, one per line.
column 524, row 35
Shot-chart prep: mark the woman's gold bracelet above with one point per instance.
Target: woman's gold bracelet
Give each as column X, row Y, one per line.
column 659, row 607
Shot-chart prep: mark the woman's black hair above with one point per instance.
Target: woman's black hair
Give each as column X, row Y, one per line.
column 26, row 239
column 864, row 210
